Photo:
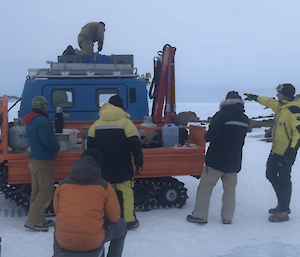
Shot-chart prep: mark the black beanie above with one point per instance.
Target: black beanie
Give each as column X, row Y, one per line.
column 233, row 94
column 95, row 154
column 116, row 101
column 287, row 90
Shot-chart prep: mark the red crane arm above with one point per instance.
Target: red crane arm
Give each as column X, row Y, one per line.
column 165, row 87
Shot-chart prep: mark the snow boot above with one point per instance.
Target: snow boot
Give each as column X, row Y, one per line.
column 133, row 224
column 191, row 218
column 279, row 217
column 226, row 221
column 38, row 228
column 48, row 223
column 276, row 210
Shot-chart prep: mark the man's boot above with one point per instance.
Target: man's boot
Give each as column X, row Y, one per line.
column 279, row 217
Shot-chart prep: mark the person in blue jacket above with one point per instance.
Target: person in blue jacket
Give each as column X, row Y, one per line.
column 44, row 147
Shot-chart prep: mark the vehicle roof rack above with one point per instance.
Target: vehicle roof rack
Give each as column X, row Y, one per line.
column 84, row 70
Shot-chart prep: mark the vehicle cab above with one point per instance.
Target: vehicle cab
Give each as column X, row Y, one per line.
column 82, row 88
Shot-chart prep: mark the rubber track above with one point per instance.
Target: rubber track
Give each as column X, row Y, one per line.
column 17, row 197
column 156, row 187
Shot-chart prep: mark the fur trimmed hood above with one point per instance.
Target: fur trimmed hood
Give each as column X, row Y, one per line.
column 230, row 102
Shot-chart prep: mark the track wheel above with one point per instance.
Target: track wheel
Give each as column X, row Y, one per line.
column 141, row 195
column 17, row 188
column 169, row 196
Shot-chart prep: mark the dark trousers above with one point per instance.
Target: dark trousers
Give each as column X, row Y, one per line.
column 279, row 174
column 114, row 232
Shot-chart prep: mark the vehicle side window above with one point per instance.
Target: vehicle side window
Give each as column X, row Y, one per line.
column 62, row 98
column 104, row 94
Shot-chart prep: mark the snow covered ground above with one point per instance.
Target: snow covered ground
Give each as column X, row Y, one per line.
column 165, row 232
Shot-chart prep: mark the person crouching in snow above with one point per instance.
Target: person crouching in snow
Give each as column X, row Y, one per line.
column 87, row 210
column 226, row 134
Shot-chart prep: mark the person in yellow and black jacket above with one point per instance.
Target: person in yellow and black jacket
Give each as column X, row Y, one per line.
column 116, row 137
column 286, row 141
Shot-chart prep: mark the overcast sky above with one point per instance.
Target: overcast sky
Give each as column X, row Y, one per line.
column 222, row 45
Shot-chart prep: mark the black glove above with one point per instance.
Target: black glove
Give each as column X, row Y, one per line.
column 138, row 170
column 250, row 97
column 290, row 154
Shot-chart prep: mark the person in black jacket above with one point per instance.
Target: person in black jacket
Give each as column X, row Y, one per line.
column 226, row 135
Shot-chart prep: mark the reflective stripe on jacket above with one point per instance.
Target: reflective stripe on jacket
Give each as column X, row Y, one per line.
column 226, row 134
column 116, row 137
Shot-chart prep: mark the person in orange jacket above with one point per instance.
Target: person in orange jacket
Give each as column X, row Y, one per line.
column 87, row 210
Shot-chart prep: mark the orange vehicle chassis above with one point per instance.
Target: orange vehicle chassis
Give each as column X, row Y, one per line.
column 158, row 162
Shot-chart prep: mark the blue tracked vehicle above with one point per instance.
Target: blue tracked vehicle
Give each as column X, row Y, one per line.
column 76, row 89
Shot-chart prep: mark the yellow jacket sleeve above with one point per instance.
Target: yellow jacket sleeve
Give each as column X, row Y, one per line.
column 269, row 102
column 130, row 129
